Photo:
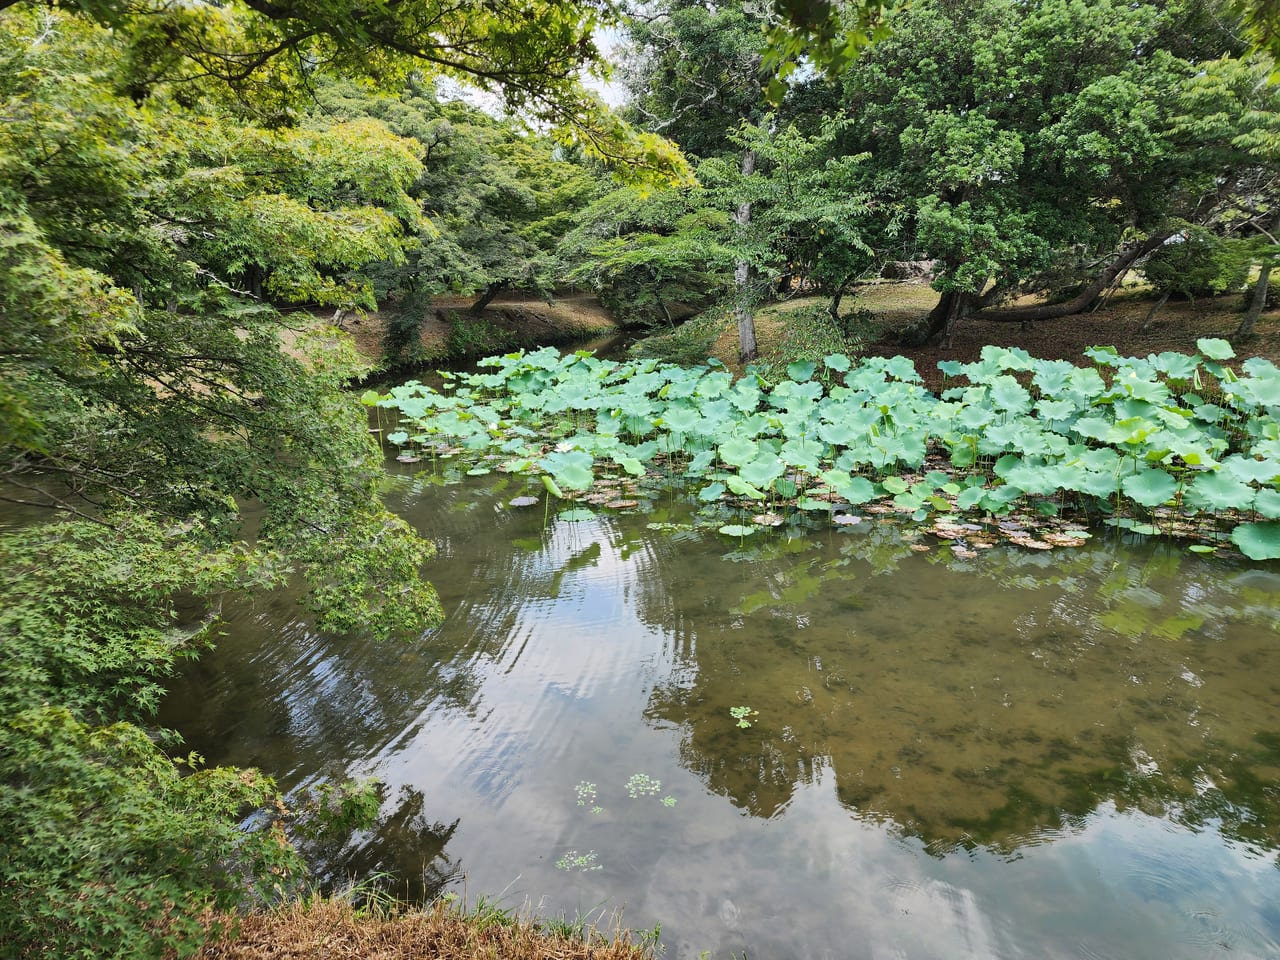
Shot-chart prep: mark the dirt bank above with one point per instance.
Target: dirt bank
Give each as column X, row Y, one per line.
column 450, row 330
column 894, row 307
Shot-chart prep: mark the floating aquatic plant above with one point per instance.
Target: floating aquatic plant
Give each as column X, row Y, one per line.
column 1171, row 443
column 641, row 785
column 581, row 862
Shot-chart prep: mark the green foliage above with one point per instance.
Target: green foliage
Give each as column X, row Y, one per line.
column 498, row 199
column 811, row 332
column 645, row 252
column 689, row 344
column 109, row 848
column 1199, row 263
column 469, row 335
column 193, row 439
column 91, row 611
column 139, row 373
column 694, row 72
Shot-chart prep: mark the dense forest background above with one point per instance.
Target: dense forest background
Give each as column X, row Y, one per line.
column 186, row 188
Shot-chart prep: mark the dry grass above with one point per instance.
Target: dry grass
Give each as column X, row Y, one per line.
column 335, row 930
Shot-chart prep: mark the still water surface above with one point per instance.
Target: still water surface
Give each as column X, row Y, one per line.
column 1027, row 755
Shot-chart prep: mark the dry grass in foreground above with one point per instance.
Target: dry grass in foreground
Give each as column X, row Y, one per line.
column 335, row 930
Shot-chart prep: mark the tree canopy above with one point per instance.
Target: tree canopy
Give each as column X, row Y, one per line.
column 181, row 191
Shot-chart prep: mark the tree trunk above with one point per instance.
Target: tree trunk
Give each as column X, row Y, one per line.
column 745, row 309
column 941, row 321
column 1145, row 325
column 1125, row 258
column 490, row 292
column 1256, row 303
column 835, row 305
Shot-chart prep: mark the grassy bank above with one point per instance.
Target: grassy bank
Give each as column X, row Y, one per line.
column 334, row 929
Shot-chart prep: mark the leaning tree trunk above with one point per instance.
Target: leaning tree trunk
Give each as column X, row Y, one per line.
column 745, row 310
column 1125, row 258
column 1256, row 302
column 490, row 292
column 1156, row 307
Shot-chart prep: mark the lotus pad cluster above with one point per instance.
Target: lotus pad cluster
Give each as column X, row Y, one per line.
column 1154, row 444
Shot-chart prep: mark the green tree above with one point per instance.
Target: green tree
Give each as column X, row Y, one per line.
column 695, row 74
column 497, row 199
column 1011, row 134
column 162, row 195
column 645, row 252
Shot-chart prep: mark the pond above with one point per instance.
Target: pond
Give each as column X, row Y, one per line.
column 842, row 743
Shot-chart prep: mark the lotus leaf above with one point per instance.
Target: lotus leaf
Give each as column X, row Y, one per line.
column 837, row 362
column 1219, row 491
column 1177, row 366
column 570, row 468
column 895, row 485
column 681, row 419
column 804, row 454
column 711, row 492
column 974, row 417
column 853, row 489
column 1249, row 470
column 762, row 471
column 576, row 515
column 737, row 530
column 1001, row 499
column 1262, row 392
column 801, row 371
column 738, row 450
column 1055, row 409
column 1031, row 478
column 1215, row 349
column 741, row 488
column 1149, row 487
column 1267, row 503
column 839, row 434
column 999, row 437
column 1258, row 541
column 1009, row 395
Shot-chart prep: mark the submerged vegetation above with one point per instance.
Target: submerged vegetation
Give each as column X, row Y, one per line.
column 1173, row 443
